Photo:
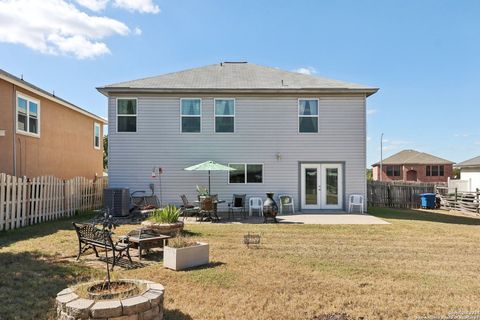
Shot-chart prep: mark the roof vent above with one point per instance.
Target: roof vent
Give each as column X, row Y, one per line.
column 233, row 62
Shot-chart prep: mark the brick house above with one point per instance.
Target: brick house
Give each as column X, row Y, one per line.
column 413, row 166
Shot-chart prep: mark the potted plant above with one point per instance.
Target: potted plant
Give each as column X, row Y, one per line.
column 180, row 254
column 165, row 221
column 202, row 191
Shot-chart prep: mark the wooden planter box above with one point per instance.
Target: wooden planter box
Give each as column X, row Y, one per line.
column 188, row 257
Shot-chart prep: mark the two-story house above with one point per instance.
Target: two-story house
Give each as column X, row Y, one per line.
column 42, row 134
column 283, row 132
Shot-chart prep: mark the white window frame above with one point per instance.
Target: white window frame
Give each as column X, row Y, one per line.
column 246, row 173
column 95, row 126
column 126, row 115
column 308, row 116
column 29, row 99
column 191, row 116
column 223, row 116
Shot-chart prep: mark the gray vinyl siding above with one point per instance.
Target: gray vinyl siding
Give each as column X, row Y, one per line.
column 264, row 127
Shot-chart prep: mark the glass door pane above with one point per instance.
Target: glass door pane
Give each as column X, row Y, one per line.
column 311, row 185
column 331, row 186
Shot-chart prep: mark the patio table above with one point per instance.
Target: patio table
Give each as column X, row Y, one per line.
column 215, row 203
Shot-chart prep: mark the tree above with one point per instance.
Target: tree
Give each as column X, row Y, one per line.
column 456, row 173
column 369, row 174
column 105, row 152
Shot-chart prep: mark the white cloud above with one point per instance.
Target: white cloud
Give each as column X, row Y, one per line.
column 306, row 70
column 143, row 6
column 56, row 27
column 461, row 135
column 94, row 5
column 371, row 111
column 79, row 46
column 369, row 138
column 137, row 31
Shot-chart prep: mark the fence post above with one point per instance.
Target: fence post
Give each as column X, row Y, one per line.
column 476, row 196
column 389, row 198
column 28, row 204
column 456, row 197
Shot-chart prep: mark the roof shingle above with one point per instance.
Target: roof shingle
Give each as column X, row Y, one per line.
column 236, row 76
column 413, row 157
column 474, row 162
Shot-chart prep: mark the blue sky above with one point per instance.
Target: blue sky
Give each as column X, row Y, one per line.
column 423, row 55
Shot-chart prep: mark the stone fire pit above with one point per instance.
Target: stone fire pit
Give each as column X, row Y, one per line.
column 147, row 306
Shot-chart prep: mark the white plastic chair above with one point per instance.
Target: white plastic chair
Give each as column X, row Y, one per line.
column 356, row 200
column 255, row 203
column 286, row 201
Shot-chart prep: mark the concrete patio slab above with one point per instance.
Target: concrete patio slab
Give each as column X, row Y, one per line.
column 330, row 218
column 303, row 218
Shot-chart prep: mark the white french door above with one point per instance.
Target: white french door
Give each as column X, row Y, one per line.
column 321, row 186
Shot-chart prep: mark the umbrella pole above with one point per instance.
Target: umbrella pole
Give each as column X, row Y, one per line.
column 208, row 182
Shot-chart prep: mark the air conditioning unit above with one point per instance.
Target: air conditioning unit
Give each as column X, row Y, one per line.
column 117, row 201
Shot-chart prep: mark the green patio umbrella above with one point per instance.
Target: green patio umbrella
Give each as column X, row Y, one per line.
column 209, row 166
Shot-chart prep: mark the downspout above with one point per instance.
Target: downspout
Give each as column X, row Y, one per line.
column 365, row 150
column 14, row 131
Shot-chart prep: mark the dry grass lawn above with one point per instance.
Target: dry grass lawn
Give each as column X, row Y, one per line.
column 423, row 263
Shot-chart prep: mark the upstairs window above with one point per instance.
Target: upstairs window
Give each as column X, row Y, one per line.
column 96, row 135
column 393, row 171
column 126, row 115
column 191, row 114
column 28, row 115
column 307, row 115
column 246, row 173
column 224, row 115
column 435, row 171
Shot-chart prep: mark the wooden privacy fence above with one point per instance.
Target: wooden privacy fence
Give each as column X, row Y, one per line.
column 25, row 201
column 395, row 194
column 453, row 199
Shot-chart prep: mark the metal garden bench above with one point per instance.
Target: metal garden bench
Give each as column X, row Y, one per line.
column 90, row 237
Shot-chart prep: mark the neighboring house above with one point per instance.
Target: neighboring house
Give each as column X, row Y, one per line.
column 283, row 132
column 413, row 166
column 41, row 134
column 470, row 171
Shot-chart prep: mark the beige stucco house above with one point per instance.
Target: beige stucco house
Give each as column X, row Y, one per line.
column 41, row 134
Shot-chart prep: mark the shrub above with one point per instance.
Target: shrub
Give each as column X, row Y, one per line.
column 202, row 191
column 181, row 242
column 168, row 214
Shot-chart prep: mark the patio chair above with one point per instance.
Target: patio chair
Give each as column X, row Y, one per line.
column 237, row 205
column 285, row 202
column 356, row 200
column 255, row 203
column 207, row 207
column 188, row 208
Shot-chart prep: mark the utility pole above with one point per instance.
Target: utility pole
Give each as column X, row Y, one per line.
column 381, row 157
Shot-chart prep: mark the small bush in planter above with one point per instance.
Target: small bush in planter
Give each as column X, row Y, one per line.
column 181, row 242
column 169, row 214
column 164, row 221
column 181, row 253
column 202, row 191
